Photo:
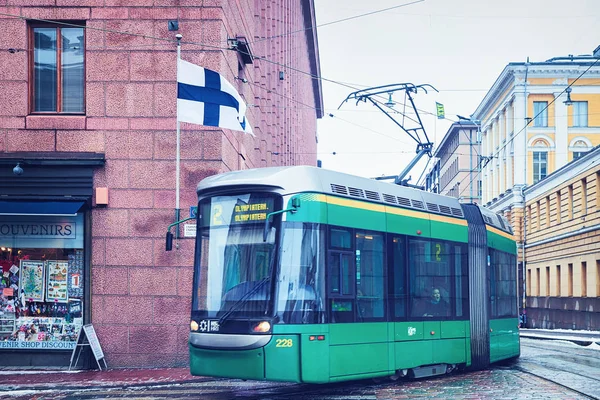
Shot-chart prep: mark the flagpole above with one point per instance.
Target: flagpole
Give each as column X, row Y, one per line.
column 177, row 158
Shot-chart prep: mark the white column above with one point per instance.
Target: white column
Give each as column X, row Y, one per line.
column 520, row 143
column 485, row 176
column 502, row 153
column 510, row 115
column 496, row 159
column 561, row 137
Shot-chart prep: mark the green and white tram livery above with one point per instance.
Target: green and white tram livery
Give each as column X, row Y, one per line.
column 308, row 275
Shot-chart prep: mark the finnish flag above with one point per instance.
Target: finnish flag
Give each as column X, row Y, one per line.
column 206, row 98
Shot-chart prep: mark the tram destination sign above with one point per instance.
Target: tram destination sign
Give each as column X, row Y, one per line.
column 255, row 211
column 237, row 210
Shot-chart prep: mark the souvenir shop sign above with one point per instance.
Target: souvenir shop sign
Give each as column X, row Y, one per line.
column 37, row 345
column 32, row 279
column 42, row 231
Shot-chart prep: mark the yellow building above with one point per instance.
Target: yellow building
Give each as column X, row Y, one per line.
column 562, row 248
column 535, row 120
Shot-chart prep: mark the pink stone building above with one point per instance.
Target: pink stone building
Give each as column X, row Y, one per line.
column 87, row 160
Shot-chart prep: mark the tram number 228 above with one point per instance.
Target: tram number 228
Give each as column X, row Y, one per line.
column 284, row 343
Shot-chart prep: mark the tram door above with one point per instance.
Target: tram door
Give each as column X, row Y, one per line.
column 356, row 347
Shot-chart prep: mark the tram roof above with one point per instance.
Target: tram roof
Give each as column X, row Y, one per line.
column 299, row 179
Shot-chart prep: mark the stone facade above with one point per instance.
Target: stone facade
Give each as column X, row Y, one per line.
column 140, row 294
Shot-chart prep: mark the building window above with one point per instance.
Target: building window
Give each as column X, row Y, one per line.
column 558, row 280
column 529, row 282
column 540, row 165
column 583, row 196
column 538, row 282
column 57, row 65
column 584, row 279
column 579, row 149
column 571, row 202
column 548, row 212
column 580, row 113
column 548, row 281
column 538, row 215
column 558, row 207
column 570, row 281
column 598, row 194
column 597, row 278
column 540, row 113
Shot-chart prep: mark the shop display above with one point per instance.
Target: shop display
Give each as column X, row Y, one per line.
column 32, row 280
column 41, row 299
column 57, row 280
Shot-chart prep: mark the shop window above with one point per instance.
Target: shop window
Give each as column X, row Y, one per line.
column 42, row 281
column 57, row 64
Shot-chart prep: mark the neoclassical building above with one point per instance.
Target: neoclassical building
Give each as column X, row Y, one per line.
column 536, row 119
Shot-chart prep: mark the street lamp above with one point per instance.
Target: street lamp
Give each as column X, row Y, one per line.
column 568, row 102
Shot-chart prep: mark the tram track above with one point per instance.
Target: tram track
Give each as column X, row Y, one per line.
column 555, row 382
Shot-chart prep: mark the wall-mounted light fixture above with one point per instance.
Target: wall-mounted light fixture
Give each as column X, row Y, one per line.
column 568, row 101
column 17, row 170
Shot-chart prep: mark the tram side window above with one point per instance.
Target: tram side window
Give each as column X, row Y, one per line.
column 431, row 278
column 503, row 285
column 370, row 287
column 461, row 280
column 301, row 285
column 341, row 286
column 398, row 271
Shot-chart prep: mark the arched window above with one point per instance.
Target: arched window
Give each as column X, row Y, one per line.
column 579, row 148
column 540, row 159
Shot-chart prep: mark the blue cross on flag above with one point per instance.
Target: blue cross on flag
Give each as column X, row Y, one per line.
column 206, row 98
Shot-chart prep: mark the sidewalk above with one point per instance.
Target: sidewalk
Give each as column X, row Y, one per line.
column 44, row 379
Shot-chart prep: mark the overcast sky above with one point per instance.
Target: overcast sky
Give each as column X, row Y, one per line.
column 458, row 46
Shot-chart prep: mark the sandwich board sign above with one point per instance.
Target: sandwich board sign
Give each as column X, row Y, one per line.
column 87, row 337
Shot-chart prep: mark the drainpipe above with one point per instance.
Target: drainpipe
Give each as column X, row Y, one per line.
column 523, row 187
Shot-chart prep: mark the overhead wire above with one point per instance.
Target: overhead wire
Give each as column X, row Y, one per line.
column 308, row 28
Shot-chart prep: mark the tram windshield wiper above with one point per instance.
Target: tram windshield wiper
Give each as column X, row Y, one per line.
column 244, row 299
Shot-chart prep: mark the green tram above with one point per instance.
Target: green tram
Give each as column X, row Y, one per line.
column 309, row 275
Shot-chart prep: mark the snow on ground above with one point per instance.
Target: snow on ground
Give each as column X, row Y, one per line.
column 37, row 372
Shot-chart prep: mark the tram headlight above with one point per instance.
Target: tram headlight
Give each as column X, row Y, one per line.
column 262, row 327
column 194, row 325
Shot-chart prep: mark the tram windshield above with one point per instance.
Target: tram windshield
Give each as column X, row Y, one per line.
column 234, row 265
